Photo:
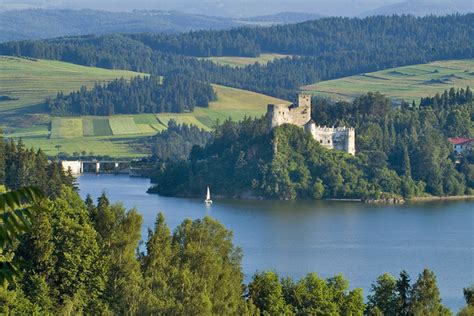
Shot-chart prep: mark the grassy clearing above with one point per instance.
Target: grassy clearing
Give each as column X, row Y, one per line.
column 101, row 127
column 235, row 61
column 123, row 125
column 114, row 146
column 408, row 83
column 31, row 81
column 66, row 128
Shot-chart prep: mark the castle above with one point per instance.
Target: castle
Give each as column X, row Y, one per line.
column 340, row 138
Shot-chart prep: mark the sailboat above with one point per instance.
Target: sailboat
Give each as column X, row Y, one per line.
column 208, row 197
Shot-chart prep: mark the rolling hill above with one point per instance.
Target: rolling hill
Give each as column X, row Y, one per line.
column 25, row 83
column 408, row 83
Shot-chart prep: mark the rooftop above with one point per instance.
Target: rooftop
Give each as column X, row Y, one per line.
column 460, row 140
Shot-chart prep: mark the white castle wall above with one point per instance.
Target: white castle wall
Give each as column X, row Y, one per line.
column 340, row 138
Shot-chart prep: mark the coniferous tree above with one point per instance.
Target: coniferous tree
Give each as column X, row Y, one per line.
column 403, row 291
column 425, row 297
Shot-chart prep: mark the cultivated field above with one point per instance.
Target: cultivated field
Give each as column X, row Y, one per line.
column 235, row 61
column 33, row 81
column 408, row 83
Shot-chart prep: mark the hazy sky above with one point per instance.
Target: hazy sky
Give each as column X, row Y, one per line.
column 219, row 7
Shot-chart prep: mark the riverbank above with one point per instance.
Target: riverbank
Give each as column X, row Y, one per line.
column 440, row 198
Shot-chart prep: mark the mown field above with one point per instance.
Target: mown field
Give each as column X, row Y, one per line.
column 33, row 81
column 28, row 82
column 235, row 61
column 408, row 83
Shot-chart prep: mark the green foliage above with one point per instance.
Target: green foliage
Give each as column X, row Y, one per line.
column 311, row 295
column 25, row 167
column 176, row 142
column 17, row 210
column 384, row 297
column 266, row 293
column 138, row 95
column 425, row 296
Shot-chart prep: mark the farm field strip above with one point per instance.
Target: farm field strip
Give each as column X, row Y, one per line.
column 409, row 83
column 236, row 61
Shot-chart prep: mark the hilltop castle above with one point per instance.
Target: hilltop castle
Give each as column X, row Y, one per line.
column 340, row 138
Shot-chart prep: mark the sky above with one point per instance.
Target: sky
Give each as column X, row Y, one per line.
column 234, row 8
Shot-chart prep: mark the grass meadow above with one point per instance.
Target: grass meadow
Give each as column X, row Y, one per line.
column 409, row 83
column 235, row 61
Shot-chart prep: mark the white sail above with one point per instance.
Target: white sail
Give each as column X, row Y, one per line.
column 208, row 196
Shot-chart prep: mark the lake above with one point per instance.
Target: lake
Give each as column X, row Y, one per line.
column 296, row 237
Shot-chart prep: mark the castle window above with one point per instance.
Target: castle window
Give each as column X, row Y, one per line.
column 321, row 141
column 329, row 141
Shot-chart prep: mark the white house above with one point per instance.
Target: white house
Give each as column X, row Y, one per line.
column 462, row 144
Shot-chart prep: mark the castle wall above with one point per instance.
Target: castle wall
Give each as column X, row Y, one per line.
column 340, row 138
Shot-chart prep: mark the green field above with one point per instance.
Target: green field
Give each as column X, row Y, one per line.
column 29, row 82
column 32, row 81
column 408, row 83
column 235, row 61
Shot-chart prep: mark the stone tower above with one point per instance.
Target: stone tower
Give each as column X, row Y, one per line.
column 297, row 114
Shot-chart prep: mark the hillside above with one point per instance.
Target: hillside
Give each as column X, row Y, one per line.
column 327, row 48
column 423, row 7
column 47, row 23
column 29, row 82
column 408, row 83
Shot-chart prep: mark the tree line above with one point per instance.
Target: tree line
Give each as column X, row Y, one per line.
column 21, row 167
column 138, row 95
column 176, row 142
column 319, row 52
column 401, row 151
column 321, row 37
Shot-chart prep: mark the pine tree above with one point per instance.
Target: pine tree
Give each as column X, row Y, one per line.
column 406, row 165
column 158, row 268
column 403, row 291
column 425, row 296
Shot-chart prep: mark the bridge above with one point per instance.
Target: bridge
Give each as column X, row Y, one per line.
column 78, row 167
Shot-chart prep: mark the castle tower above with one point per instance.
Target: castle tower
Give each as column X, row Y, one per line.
column 304, row 100
column 297, row 114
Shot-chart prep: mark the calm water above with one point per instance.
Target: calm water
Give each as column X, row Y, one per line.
column 294, row 238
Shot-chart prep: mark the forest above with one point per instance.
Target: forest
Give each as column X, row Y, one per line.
column 401, row 151
column 317, row 51
column 66, row 256
column 176, row 142
column 139, row 95
column 22, row 167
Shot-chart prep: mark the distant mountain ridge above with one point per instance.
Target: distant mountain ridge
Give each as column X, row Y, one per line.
column 423, row 7
column 48, row 23
column 284, row 18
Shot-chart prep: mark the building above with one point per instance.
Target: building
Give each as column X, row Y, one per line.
column 340, row 138
column 462, row 145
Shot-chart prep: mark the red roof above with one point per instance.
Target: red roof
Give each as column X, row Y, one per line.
column 460, row 140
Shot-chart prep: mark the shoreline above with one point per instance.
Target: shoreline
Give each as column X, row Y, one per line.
column 440, row 198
